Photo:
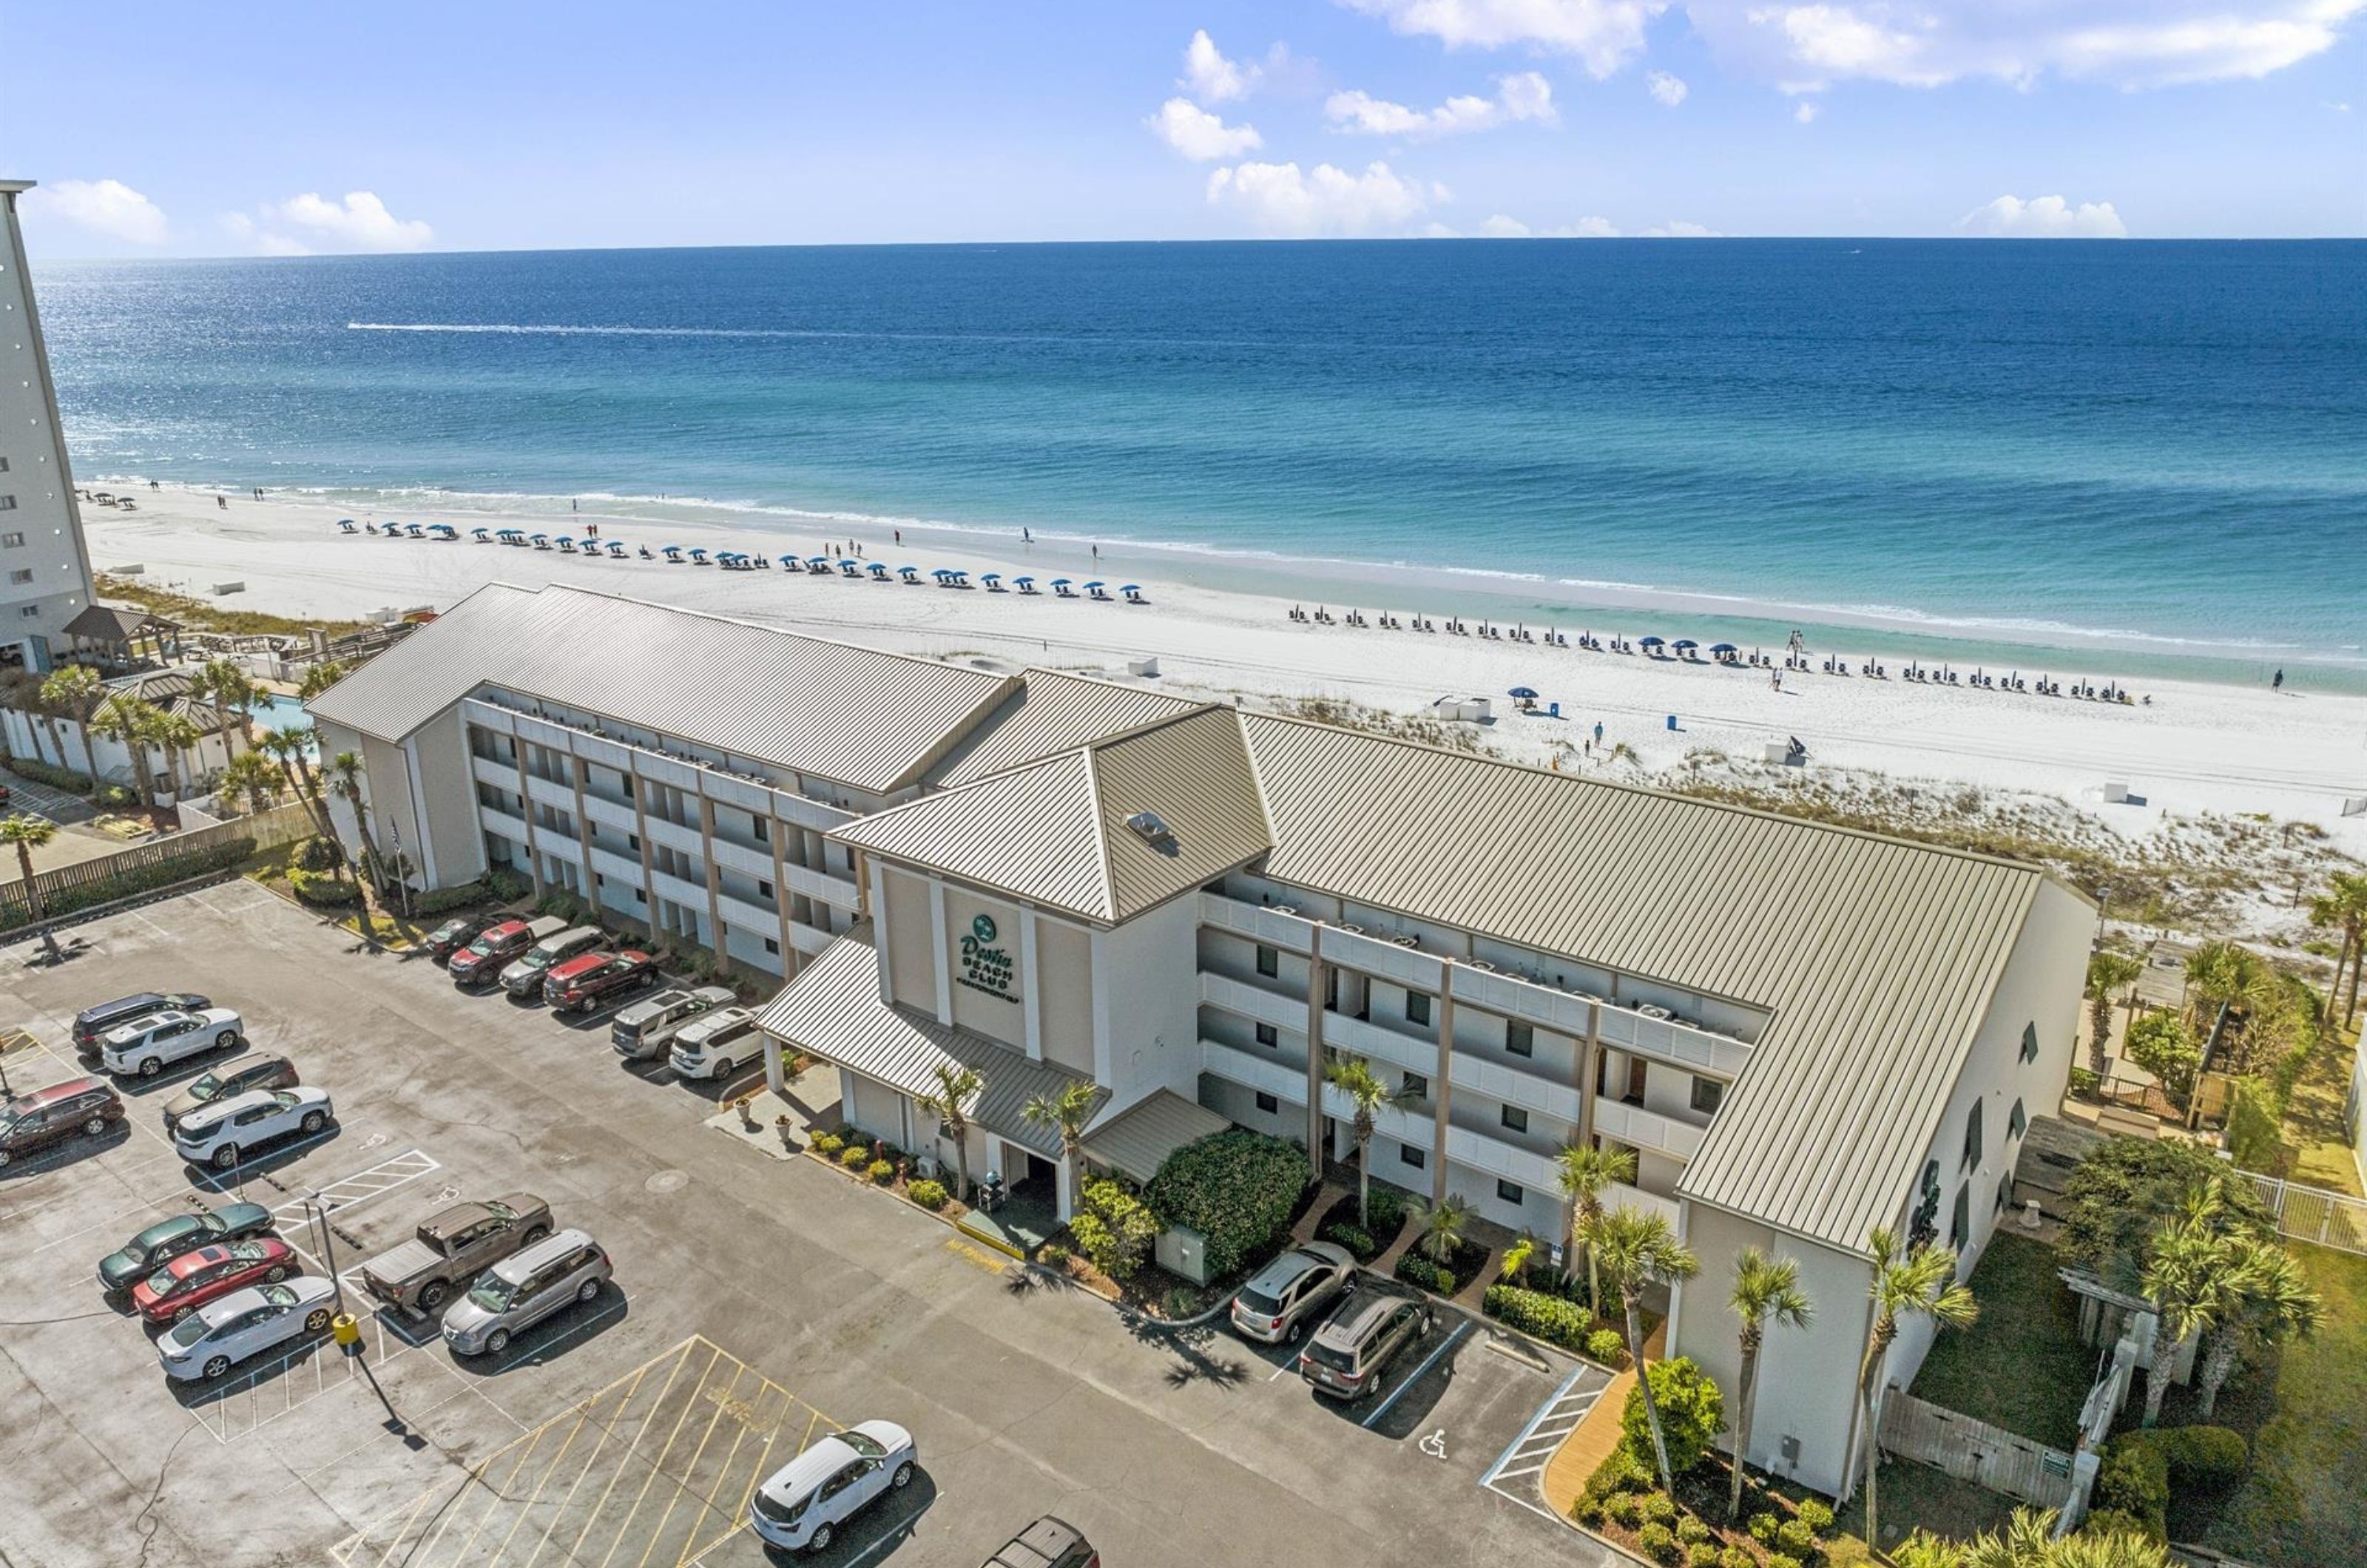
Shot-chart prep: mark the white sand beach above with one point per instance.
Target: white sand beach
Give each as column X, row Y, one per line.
column 2195, row 749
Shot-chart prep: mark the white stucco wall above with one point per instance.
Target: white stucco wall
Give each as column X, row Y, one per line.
column 1148, row 1006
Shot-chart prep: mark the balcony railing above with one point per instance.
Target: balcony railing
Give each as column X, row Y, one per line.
column 1382, row 1044
column 1480, row 1151
column 1646, row 1129
column 1499, row 1080
column 614, row 866
column 1237, row 1066
column 501, row 775
column 1408, row 966
column 1282, row 1010
column 1673, row 1041
column 1257, row 923
column 1620, row 1195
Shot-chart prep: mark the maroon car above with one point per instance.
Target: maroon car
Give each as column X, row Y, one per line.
column 582, row 984
column 78, row 1107
column 459, row 932
column 484, row 958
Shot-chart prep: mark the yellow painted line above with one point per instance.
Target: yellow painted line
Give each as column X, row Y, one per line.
column 739, row 1368
column 696, row 1548
column 591, row 1459
column 408, row 1520
column 681, row 1359
column 500, row 1496
column 977, row 1258
column 650, row 1479
column 540, row 1482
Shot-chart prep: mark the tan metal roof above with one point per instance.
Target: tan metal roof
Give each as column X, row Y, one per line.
column 1053, row 711
column 1876, row 956
column 834, row 1009
column 865, row 719
column 1139, row 1139
column 1057, row 832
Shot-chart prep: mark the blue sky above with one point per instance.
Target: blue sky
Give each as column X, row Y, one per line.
column 206, row 130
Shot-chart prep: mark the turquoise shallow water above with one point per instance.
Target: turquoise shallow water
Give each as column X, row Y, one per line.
column 2154, row 456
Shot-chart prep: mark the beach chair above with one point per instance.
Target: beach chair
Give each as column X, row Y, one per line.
column 1060, row 588
column 880, row 572
column 617, row 549
column 1132, row 594
column 910, row 574
column 993, row 580
column 941, row 575
column 414, row 530
column 1095, row 590
column 672, row 553
column 539, row 541
column 345, row 525
column 1024, row 584
column 566, row 543
column 959, row 579
column 697, row 556
column 481, row 536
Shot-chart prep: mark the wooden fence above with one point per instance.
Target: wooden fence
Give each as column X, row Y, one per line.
column 149, row 865
column 1974, row 1450
column 2313, row 1214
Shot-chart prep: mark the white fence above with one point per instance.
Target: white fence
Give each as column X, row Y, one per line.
column 2312, row 1213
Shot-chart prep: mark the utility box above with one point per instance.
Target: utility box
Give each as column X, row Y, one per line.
column 1183, row 1252
column 1146, row 668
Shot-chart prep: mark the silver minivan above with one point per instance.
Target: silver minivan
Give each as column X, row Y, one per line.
column 564, row 1269
column 644, row 1029
column 524, row 977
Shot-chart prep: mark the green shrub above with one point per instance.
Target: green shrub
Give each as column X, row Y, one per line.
column 66, row 779
column 1385, row 1211
column 1605, row 1346
column 2203, row 1456
column 444, row 900
column 2113, row 1522
column 1416, row 1269
column 1763, row 1527
column 1736, row 1557
column 326, row 892
column 124, row 885
column 882, row 1171
column 1534, row 1312
column 2133, row 1479
column 855, row 1155
column 1360, row 1244
column 1237, row 1187
column 1659, row 1508
column 1815, row 1515
column 2084, row 1081
column 1693, row 1413
column 828, row 1145
column 930, row 1195
column 1690, row 1530
column 1660, row 1542
column 1622, row 1471
column 1794, row 1536
column 1052, row 1255
column 2159, row 1043
column 1587, row 1511
column 1624, row 1508
column 507, row 885
column 1114, row 1229
column 1702, row 1554
column 1783, row 1560
column 317, row 853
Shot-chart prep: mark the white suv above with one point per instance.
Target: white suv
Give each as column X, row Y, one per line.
column 713, row 1043
column 145, row 1046
column 222, row 1133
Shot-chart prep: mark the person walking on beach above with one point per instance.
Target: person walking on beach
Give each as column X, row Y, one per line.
column 1777, row 677
column 1026, row 537
column 899, row 537
column 2279, row 683
column 1598, row 732
column 222, row 503
column 570, row 504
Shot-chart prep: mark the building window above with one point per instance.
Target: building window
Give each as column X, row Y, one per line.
column 1960, row 1224
column 2030, row 1043
column 764, row 890
column 1267, row 1102
column 4, row 465
column 11, row 541
column 2005, row 1194
column 1511, row 1192
column 763, row 830
column 2019, row 1123
column 22, row 575
column 1513, row 1117
column 1417, row 1007
column 7, row 503
column 1267, row 1034
column 29, row 612
column 1269, row 962
column 1973, row 1136
column 1409, row 1155
column 1708, row 1094
column 772, row 946
column 1416, row 1087
column 1520, row 1039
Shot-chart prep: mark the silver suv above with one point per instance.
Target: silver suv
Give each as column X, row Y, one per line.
column 1348, row 1355
column 1276, row 1306
column 646, row 1028
column 564, row 1269
column 524, row 977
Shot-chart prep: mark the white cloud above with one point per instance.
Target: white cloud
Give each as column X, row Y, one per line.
column 360, row 222
column 1680, row 229
column 1602, row 34
column 1524, row 96
column 1806, row 113
column 1209, row 76
column 1923, row 44
column 1283, row 201
column 1199, row 135
column 103, row 206
column 2043, row 217
column 1667, row 90
column 1502, row 227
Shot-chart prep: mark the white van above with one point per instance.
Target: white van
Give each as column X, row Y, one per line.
column 715, row 1043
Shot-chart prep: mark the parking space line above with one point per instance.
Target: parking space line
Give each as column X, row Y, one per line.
column 1427, row 1362
column 680, row 1361
column 1528, row 1454
column 721, row 1405
column 591, row 1459
column 541, row 1482
column 650, row 1480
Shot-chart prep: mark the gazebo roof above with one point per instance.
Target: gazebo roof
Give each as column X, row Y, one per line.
column 117, row 624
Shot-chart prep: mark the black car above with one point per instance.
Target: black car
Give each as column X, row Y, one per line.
column 230, row 1079
column 91, row 1025
column 1049, row 1543
column 459, row 932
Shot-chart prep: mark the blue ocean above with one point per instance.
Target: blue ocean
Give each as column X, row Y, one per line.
column 2152, row 454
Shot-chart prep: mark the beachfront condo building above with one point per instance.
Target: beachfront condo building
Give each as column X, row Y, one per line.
column 1801, row 1031
column 44, row 565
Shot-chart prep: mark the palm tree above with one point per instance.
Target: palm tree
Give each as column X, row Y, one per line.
column 1639, row 1250
column 346, row 776
column 948, row 1102
column 252, row 775
column 1067, row 1112
column 287, row 747
column 2191, row 1278
column 122, row 716
column 29, row 833
column 1442, row 1228
column 173, row 734
column 2272, row 1302
column 1764, row 1291
column 2344, row 907
column 2107, row 972
column 1353, row 1077
column 74, row 691
column 1921, row 1283
column 319, row 678
column 1585, row 1172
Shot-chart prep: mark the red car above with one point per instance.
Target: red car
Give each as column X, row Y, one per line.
column 484, row 958
column 580, row 984
column 192, row 1280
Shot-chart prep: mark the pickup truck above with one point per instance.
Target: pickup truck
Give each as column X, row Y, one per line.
column 452, row 1248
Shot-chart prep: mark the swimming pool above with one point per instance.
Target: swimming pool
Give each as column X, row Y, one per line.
column 281, row 712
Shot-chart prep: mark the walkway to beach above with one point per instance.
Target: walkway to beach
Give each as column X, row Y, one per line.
column 1590, row 1442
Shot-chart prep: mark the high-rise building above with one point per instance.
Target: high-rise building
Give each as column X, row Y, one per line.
column 44, row 565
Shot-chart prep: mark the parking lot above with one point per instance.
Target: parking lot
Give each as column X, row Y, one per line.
column 756, row 1305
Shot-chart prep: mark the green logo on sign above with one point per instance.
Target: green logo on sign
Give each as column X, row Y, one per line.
column 982, row 928
column 985, row 967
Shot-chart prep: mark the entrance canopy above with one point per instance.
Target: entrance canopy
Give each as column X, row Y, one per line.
column 1137, row 1140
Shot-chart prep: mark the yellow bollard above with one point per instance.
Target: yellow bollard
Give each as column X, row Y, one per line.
column 347, row 1330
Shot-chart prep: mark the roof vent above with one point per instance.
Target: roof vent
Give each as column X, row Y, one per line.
column 1148, row 827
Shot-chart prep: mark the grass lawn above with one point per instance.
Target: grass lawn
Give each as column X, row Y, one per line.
column 2317, row 1144
column 1916, row 1495
column 2305, row 1413
column 2021, row 1365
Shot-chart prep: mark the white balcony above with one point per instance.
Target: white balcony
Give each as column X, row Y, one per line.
column 753, row 919
column 1278, row 1009
column 807, row 940
column 1259, row 1072
column 609, row 815
column 755, row 864
column 1257, row 923
column 1718, row 1055
column 835, row 891
column 1419, row 1128
column 1620, row 1195
column 502, row 822
column 806, row 812
column 597, row 749
column 1408, row 966
column 689, row 894
column 1646, row 1129
column 614, row 867
column 501, row 775
column 490, row 717
column 1497, row 1080
column 1538, row 1172
column 558, row 797
column 675, row 836
column 1380, row 1043
column 1564, row 1012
